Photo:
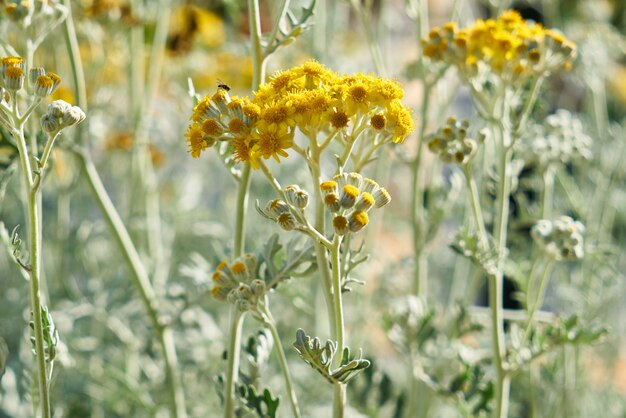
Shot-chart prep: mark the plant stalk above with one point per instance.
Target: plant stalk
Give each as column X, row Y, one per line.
column 282, row 359
column 496, row 282
column 35, row 272
column 140, row 280
column 234, row 350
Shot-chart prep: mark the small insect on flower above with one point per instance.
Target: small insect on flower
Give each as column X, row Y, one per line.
column 222, row 85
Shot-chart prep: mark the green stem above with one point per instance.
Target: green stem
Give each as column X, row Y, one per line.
column 234, row 347
column 258, row 57
column 35, row 273
column 420, row 285
column 543, row 284
column 282, row 359
column 140, row 280
column 234, row 350
column 476, row 208
column 496, row 282
column 78, row 74
column 320, row 225
column 283, row 11
column 339, row 392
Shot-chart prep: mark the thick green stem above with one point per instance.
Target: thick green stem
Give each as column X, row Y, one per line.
column 282, row 359
column 35, row 273
column 234, row 350
column 140, row 280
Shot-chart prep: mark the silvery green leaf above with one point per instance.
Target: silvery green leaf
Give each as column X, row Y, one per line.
column 320, row 357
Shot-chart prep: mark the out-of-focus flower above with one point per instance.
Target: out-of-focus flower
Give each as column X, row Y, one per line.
column 559, row 140
column 191, row 25
column 561, row 238
column 510, row 47
column 451, row 143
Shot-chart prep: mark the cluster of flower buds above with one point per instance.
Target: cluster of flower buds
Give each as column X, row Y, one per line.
column 562, row 239
column 451, row 143
column 13, row 75
column 280, row 212
column 349, row 197
column 559, row 140
column 238, row 283
column 511, row 47
column 59, row 115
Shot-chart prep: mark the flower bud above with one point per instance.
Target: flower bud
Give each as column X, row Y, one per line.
column 73, row 116
column 49, row 123
column 59, row 108
column 365, row 202
column 341, row 225
column 276, row 207
column 287, row 221
column 382, row 197
column 348, row 196
column 328, row 186
column 258, row 287
column 358, row 220
column 331, row 200
column 296, row 196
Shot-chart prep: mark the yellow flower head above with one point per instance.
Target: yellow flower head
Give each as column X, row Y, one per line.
column 272, row 141
column 310, row 98
column 509, row 46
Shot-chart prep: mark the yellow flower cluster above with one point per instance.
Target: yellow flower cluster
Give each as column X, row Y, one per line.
column 510, row 46
column 310, row 98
